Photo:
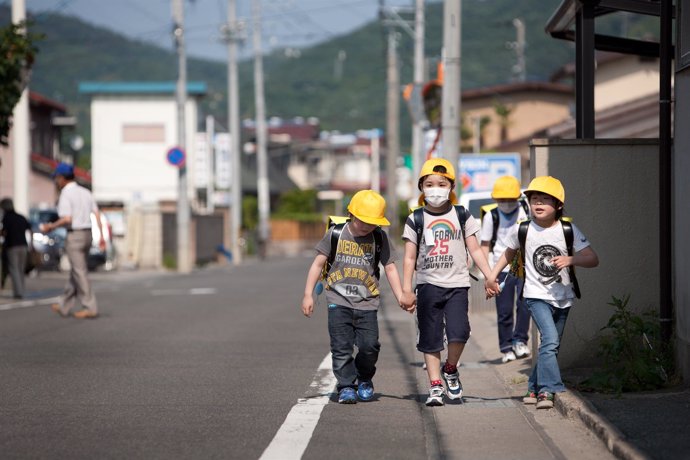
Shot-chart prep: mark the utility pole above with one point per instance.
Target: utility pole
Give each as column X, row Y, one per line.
column 418, row 122
column 183, row 259
column 392, row 132
column 520, row 67
column 210, row 166
column 450, row 103
column 21, row 138
column 234, row 35
column 261, row 147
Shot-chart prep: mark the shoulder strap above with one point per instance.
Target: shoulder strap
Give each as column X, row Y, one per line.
column 463, row 215
column 525, row 206
column 569, row 237
column 418, row 218
column 494, row 234
column 378, row 244
column 335, row 237
column 522, row 238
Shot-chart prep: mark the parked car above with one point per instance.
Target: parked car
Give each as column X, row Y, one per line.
column 51, row 245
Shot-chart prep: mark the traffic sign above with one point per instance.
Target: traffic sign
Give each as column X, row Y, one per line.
column 176, row 157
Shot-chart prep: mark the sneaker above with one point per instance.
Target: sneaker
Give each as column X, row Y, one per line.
column 529, row 398
column 508, row 356
column 347, row 396
column 435, row 396
column 454, row 385
column 365, row 391
column 545, row 400
column 521, row 350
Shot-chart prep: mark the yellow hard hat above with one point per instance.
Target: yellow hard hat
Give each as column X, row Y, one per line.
column 506, row 187
column 438, row 166
column 369, row 207
column 549, row 185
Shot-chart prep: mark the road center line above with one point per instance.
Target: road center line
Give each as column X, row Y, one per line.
column 293, row 436
column 28, row 303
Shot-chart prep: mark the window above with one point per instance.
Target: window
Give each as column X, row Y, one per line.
column 132, row 133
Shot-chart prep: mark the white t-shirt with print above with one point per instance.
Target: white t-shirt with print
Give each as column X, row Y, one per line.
column 542, row 279
column 505, row 224
column 442, row 259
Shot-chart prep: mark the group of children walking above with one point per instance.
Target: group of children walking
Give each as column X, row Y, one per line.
column 439, row 240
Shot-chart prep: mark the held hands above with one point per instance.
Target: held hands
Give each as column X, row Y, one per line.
column 307, row 305
column 408, row 302
column 491, row 287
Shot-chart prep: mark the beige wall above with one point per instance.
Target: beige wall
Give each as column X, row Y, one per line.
column 607, row 185
column 41, row 187
column 624, row 80
column 532, row 111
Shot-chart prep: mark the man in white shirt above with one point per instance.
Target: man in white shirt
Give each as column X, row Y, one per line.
column 75, row 206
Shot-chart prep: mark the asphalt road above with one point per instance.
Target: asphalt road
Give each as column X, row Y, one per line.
column 212, row 364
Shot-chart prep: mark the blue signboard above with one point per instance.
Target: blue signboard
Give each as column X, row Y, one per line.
column 176, row 157
column 478, row 172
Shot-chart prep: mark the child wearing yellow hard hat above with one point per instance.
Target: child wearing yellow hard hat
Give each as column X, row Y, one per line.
column 352, row 293
column 550, row 288
column 438, row 238
column 512, row 316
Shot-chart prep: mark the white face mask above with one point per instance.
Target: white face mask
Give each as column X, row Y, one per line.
column 507, row 208
column 436, row 196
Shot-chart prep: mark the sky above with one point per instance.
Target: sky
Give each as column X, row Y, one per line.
column 286, row 23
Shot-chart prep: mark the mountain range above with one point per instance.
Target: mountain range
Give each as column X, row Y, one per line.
column 341, row 81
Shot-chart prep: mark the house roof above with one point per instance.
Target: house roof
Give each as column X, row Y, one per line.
column 638, row 118
column 194, row 88
column 517, row 87
column 600, row 58
column 47, row 166
column 39, row 99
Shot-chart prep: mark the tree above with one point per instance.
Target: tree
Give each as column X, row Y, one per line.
column 17, row 53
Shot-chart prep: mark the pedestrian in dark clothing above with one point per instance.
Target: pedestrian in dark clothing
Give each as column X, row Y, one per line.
column 14, row 229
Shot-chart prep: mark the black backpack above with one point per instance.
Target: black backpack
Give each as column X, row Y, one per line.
column 338, row 224
column 418, row 219
column 569, row 237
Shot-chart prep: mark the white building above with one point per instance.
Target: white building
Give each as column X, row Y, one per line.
column 133, row 126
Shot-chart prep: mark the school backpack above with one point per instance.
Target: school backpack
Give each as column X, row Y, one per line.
column 418, row 219
column 338, row 223
column 493, row 209
column 518, row 266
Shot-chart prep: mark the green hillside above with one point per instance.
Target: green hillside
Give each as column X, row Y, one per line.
column 74, row 51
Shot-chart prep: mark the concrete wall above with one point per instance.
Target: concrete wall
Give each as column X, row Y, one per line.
column 611, row 192
column 681, row 221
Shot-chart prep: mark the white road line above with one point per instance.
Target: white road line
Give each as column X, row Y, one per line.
column 192, row 291
column 293, row 437
column 28, row 303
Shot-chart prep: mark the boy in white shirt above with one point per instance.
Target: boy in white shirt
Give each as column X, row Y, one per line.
column 550, row 287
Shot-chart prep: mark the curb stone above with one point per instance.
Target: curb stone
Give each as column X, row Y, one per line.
column 572, row 405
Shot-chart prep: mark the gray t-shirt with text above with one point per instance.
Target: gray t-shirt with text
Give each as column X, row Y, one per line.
column 351, row 281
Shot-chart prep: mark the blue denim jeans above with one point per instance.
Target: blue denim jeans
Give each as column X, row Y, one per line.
column 349, row 327
column 546, row 375
column 509, row 309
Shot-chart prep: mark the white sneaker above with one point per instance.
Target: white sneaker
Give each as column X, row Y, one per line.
column 454, row 385
column 508, row 356
column 435, row 396
column 521, row 350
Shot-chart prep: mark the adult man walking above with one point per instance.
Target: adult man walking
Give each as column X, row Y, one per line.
column 74, row 210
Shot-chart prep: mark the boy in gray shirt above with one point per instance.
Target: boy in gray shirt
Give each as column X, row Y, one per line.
column 352, row 293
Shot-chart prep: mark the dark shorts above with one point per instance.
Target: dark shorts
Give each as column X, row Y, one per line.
column 436, row 306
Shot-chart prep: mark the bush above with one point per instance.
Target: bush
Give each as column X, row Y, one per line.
column 634, row 357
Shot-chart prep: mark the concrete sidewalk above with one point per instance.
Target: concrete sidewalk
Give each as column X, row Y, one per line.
column 646, row 425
